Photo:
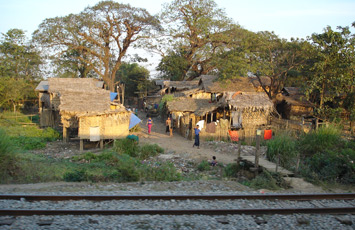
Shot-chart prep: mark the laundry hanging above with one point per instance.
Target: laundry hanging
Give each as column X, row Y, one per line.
column 237, row 119
column 267, row 134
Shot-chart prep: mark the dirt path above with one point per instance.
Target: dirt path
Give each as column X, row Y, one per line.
column 178, row 144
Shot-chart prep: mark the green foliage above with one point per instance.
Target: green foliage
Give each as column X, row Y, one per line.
column 282, row 146
column 77, row 175
column 126, row 146
column 148, row 150
column 19, row 69
column 231, row 170
column 166, row 98
column 268, row 180
column 320, row 140
column 135, row 78
column 331, row 166
column 160, row 172
column 203, row 166
column 8, row 159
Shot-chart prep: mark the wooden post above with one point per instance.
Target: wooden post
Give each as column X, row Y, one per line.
column 65, row 134
column 257, row 152
column 81, row 145
column 122, row 89
column 239, row 151
column 101, row 143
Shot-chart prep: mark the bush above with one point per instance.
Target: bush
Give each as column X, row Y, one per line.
column 331, row 166
column 203, row 166
column 126, row 146
column 231, row 170
column 77, row 175
column 149, row 150
column 284, row 147
column 8, row 159
column 268, row 180
column 320, row 140
column 160, row 172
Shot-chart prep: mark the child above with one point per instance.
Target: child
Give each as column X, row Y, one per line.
column 214, row 161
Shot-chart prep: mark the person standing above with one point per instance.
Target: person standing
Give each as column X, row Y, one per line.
column 168, row 126
column 197, row 137
column 150, row 124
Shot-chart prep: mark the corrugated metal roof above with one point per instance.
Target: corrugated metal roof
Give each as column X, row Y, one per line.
column 42, row 86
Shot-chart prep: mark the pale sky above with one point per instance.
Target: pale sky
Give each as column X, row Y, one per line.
column 286, row 18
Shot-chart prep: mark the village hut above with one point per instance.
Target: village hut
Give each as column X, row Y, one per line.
column 49, row 96
column 83, row 106
column 217, row 103
column 171, row 87
column 186, row 112
column 291, row 104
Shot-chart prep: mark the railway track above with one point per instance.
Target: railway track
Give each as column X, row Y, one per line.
column 347, row 207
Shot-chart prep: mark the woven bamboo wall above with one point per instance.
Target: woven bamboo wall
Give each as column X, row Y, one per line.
column 49, row 118
column 113, row 126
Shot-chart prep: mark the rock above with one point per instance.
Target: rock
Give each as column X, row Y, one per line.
column 45, row 222
column 7, row 221
column 302, row 220
column 92, row 221
column 260, row 220
column 222, row 220
column 344, row 220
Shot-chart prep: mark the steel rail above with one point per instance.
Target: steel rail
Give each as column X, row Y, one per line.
column 281, row 211
column 300, row 197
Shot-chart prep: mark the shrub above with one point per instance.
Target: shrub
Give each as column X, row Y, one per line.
column 320, row 140
column 331, row 166
column 8, row 159
column 282, row 146
column 148, row 150
column 269, row 180
column 126, row 146
column 231, row 170
column 127, row 169
column 203, row 166
column 77, row 175
column 159, row 172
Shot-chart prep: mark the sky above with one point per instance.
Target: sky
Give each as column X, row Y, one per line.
column 287, row 19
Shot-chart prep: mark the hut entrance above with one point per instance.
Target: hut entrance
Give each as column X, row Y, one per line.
column 283, row 109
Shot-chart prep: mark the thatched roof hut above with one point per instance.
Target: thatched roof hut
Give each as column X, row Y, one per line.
column 73, row 84
column 253, row 101
column 197, row 106
column 292, row 103
column 87, row 103
column 176, row 86
column 210, row 84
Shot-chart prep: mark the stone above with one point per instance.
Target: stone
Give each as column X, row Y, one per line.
column 222, row 220
column 92, row 221
column 260, row 220
column 7, row 221
column 45, row 222
column 302, row 220
column 344, row 220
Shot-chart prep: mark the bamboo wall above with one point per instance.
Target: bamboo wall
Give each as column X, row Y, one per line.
column 113, row 126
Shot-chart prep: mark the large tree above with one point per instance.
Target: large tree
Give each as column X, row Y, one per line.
column 101, row 35
column 197, row 33
column 134, row 77
column 331, row 75
column 19, row 68
column 276, row 58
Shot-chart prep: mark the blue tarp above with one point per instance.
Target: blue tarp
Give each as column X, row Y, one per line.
column 134, row 121
column 113, row 96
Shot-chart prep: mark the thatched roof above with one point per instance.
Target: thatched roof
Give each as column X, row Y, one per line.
column 253, row 101
column 96, row 102
column 187, row 93
column 294, row 96
column 266, row 81
column 197, row 106
column 211, row 85
column 73, row 84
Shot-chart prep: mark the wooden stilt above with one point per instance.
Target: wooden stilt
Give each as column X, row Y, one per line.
column 81, row 145
column 101, row 143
